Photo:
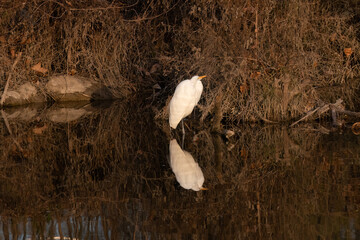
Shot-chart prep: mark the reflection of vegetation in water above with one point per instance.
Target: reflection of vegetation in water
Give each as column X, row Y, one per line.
column 42, row 227
column 264, row 182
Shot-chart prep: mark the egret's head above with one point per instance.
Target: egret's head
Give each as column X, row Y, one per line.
column 195, row 78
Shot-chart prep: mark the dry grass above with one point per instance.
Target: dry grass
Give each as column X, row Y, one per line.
column 270, row 60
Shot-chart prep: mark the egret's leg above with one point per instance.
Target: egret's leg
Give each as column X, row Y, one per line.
column 183, row 132
column 182, row 126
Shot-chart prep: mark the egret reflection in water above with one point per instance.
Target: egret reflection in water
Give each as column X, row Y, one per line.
column 187, row 171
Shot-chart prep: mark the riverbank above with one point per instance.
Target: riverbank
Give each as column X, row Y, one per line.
column 265, row 61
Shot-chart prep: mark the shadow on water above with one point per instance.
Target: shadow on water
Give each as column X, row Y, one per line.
column 87, row 172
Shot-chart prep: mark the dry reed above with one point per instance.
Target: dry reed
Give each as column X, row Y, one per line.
column 270, row 60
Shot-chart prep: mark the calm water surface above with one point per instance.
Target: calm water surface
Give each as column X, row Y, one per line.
column 84, row 171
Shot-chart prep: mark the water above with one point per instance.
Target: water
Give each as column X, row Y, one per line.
column 83, row 171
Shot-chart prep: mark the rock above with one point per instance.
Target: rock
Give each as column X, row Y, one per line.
column 102, row 93
column 21, row 113
column 71, row 88
column 64, row 115
column 61, row 88
column 24, row 94
column 68, row 111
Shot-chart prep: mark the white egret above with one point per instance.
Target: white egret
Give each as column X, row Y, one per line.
column 187, row 95
column 186, row 170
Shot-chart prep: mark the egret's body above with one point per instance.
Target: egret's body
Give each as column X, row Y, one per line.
column 186, row 97
column 186, row 170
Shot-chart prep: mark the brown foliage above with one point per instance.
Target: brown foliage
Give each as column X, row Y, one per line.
column 270, row 60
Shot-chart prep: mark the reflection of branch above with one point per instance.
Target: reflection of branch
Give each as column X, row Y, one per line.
column 290, row 145
column 218, row 156
column 9, row 77
column 3, row 115
column 9, row 129
column 258, row 210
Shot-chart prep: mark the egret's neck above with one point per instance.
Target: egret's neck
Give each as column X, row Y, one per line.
column 194, row 81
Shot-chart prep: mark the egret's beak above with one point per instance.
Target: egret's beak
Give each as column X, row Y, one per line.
column 202, row 77
column 203, row 189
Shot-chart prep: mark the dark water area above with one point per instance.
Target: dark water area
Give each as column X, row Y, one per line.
column 89, row 171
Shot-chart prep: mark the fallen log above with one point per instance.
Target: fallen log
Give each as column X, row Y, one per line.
column 335, row 108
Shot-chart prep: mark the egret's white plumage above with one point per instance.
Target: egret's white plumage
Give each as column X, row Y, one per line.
column 187, row 95
column 187, row 171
